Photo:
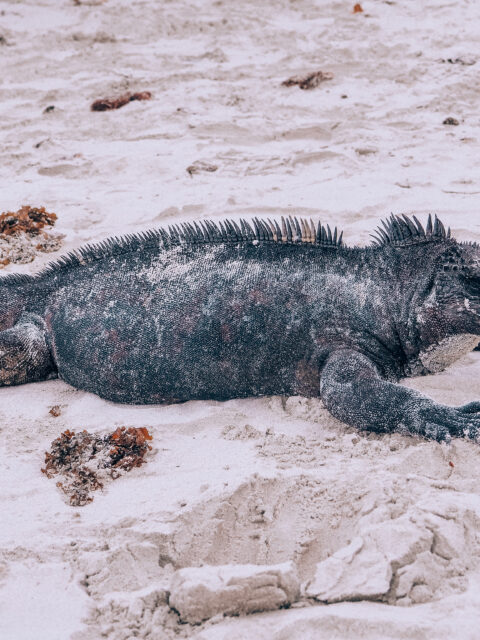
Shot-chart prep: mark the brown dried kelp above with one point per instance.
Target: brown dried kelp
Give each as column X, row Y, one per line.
column 85, row 461
column 22, row 234
column 200, row 166
column 115, row 103
column 27, row 219
column 310, row 81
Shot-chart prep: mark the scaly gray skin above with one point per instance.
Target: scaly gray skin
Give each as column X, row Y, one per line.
column 219, row 312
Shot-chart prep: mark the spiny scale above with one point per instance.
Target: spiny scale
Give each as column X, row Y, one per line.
column 397, row 231
column 292, row 230
column 402, row 231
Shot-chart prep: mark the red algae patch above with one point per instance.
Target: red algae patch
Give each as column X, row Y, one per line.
column 85, row 461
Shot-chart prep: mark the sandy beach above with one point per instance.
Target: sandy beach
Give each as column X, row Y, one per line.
column 381, row 532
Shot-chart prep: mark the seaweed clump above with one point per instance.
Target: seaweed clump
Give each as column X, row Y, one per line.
column 27, row 219
column 22, row 234
column 309, row 81
column 106, row 104
column 85, row 461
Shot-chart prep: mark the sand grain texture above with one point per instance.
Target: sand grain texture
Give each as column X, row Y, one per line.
column 372, row 524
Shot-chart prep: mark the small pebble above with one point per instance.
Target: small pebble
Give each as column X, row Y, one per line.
column 451, row 121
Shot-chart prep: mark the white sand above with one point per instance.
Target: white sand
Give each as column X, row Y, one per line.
column 255, row 481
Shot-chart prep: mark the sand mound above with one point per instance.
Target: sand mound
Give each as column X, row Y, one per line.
column 404, row 533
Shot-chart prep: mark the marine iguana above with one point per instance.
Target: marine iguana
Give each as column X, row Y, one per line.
column 230, row 310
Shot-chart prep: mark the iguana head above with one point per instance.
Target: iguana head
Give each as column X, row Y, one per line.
column 455, row 291
column 459, row 284
column 449, row 320
column 447, row 273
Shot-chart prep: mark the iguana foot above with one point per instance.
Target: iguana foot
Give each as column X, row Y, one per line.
column 442, row 423
column 354, row 392
column 24, row 354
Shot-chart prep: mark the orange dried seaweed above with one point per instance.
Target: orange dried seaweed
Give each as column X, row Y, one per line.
column 129, row 447
column 27, row 219
column 106, row 104
column 85, row 461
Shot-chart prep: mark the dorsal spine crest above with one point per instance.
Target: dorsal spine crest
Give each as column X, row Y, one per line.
column 401, row 231
column 293, row 231
column 397, row 231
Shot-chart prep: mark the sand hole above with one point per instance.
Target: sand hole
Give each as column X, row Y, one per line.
column 266, row 521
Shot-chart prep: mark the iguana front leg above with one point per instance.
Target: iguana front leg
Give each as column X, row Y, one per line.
column 24, row 354
column 354, row 392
